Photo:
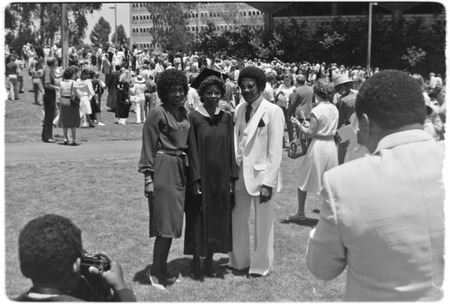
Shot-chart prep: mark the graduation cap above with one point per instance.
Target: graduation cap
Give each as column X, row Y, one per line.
column 205, row 73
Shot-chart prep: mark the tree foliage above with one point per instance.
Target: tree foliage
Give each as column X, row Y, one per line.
column 121, row 36
column 169, row 24
column 100, row 33
column 38, row 23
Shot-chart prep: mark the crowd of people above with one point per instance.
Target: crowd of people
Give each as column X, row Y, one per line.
column 212, row 144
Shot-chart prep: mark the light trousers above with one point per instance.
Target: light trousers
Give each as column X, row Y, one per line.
column 261, row 260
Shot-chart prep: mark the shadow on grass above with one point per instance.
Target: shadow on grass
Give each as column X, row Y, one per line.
column 181, row 267
column 308, row 222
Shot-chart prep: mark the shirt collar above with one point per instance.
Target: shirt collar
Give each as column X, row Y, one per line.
column 256, row 103
column 201, row 109
column 402, row 138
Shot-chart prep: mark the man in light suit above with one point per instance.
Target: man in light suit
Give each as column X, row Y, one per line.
column 383, row 215
column 259, row 127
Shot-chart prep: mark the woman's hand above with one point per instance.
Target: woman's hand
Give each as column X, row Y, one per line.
column 196, row 188
column 295, row 121
column 231, row 187
column 149, row 188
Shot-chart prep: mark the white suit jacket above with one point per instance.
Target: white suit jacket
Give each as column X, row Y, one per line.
column 262, row 146
column 383, row 217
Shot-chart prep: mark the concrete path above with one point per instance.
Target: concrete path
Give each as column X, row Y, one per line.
column 40, row 151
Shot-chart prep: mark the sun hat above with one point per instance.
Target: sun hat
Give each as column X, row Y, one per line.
column 140, row 79
column 341, row 79
column 59, row 72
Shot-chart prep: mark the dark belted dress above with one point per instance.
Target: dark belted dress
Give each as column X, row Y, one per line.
column 164, row 141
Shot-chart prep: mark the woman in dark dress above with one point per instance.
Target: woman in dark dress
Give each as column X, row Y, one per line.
column 211, row 175
column 123, row 97
column 163, row 162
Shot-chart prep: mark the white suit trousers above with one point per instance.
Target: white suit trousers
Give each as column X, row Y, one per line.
column 261, row 260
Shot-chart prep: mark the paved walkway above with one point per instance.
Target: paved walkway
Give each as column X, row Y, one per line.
column 40, row 151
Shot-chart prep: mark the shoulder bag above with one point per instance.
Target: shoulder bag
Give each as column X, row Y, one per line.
column 74, row 99
column 299, row 147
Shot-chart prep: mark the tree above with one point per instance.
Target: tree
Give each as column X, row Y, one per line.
column 121, row 35
column 100, row 33
column 169, row 24
column 41, row 21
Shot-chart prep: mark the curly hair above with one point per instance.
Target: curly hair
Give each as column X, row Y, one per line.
column 85, row 74
column 48, row 246
column 391, row 99
column 209, row 81
column 68, row 73
column 255, row 73
column 169, row 78
column 324, row 89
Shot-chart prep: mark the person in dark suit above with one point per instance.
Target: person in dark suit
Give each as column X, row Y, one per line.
column 113, row 80
column 301, row 100
column 50, row 252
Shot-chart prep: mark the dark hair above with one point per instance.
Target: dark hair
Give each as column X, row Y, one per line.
column 51, row 61
column 391, row 99
column 323, row 88
column 85, row 74
column 255, row 73
column 169, row 78
column 209, row 81
column 48, row 246
column 68, row 73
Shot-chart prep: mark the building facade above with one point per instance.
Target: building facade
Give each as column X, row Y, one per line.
column 225, row 16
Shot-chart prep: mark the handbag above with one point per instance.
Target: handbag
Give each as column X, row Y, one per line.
column 299, row 147
column 74, row 99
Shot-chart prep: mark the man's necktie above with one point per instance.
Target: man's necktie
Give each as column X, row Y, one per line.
column 248, row 110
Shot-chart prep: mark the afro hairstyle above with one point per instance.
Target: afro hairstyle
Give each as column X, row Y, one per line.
column 255, row 73
column 392, row 99
column 169, row 78
column 48, row 247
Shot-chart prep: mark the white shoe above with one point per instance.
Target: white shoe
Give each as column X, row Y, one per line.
column 100, row 124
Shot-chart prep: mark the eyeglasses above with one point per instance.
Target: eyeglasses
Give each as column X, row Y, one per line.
column 247, row 87
column 211, row 93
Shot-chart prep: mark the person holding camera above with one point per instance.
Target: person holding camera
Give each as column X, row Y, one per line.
column 51, row 255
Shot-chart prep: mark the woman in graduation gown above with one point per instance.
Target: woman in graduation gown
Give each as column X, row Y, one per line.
column 211, row 174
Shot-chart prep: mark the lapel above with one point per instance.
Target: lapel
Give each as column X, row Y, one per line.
column 250, row 130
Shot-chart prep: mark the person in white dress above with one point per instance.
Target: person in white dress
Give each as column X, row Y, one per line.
column 85, row 91
column 322, row 152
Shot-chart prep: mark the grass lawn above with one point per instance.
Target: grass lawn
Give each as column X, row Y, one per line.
column 104, row 197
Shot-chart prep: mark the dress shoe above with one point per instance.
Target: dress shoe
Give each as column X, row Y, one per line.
column 209, row 268
column 74, row 143
column 156, row 281
column 195, row 270
column 50, row 141
column 253, row 275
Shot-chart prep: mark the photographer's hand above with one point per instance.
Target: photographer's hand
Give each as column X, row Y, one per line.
column 114, row 276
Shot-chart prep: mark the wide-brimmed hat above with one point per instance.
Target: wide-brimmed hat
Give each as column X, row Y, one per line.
column 59, row 72
column 140, row 79
column 341, row 79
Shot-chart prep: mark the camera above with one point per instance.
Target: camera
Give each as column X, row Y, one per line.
column 92, row 287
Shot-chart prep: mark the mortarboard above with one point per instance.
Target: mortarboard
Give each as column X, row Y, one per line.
column 205, row 73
